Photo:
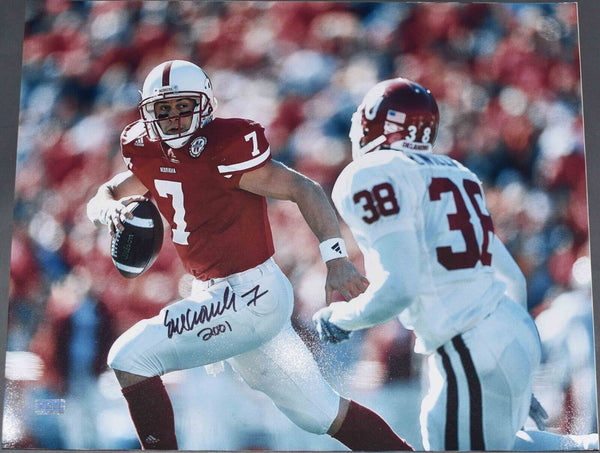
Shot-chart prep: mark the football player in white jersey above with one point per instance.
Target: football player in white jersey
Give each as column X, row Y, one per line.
column 433, row 261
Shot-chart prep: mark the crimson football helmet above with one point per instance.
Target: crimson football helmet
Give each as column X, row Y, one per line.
column 395, row 114
column 176, row 79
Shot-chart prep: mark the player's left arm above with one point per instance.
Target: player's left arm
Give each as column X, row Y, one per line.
column 509, row 272
column 275, row 180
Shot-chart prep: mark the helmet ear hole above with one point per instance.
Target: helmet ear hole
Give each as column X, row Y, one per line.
column 363, row 140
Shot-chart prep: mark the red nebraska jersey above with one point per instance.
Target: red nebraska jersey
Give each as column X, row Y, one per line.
column 218, row 229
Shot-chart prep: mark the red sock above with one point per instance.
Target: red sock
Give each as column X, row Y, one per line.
column 364, row 430
column 152, row 414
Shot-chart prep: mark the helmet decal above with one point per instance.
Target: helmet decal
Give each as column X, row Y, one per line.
column 371, row 112
column 166, row 74
column 373, row 100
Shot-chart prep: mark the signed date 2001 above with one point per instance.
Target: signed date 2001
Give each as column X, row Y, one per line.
column 208, row 332
column 187, row 322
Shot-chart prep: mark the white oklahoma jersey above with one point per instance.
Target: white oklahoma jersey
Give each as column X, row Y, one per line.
column 442, row 203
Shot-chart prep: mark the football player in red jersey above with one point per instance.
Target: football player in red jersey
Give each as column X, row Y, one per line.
column 209, row 177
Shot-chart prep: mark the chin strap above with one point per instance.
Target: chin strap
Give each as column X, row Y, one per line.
column 176, row 143
column 371, row 146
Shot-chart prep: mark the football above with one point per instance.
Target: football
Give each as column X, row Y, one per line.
column 135, row 249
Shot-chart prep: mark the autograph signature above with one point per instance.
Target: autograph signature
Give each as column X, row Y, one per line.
column 191, row 318
column 209, row 332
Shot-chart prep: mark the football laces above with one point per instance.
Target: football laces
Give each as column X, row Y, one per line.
column 114, row 244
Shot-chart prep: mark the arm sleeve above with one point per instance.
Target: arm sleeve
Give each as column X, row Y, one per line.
column 133, row 132
column 359, row 195
column 394, row 274
column 248, row 151
column 508, row 271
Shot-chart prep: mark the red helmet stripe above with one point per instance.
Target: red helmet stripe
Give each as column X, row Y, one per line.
column 166, row 75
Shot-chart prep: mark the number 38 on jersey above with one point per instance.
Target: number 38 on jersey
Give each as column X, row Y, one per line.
column 381, row 201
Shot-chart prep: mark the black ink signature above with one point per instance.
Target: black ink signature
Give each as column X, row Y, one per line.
column 209, row 332
column 191, row 318
column 256, row 296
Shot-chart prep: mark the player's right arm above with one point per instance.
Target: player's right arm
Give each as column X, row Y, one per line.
column 394, row 274
column 390, row 241
column 108, row 205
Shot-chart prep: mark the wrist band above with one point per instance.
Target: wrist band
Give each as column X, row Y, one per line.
column 333, row 248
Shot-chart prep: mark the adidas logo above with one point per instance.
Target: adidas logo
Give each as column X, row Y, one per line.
column 152, row 440
column 139, row 142
column 336, row 248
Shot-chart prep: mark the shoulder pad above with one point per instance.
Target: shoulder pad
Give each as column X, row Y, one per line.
column 132, row 132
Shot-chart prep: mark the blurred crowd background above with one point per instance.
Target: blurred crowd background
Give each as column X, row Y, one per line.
column 506, row 78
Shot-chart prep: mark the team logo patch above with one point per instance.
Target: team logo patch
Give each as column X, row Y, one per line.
column 197, row 146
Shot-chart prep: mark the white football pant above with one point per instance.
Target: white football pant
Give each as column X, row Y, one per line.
column 244, row 319
column 480, row 383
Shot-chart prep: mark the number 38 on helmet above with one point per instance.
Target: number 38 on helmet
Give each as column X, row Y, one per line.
column 395, row 114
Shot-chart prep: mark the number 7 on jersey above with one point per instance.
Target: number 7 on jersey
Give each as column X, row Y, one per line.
column 173, row 188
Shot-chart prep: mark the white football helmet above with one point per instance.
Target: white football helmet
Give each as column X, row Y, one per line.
column 176, row 79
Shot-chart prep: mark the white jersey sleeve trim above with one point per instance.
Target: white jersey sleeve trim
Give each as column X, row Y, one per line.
column 245, row 165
